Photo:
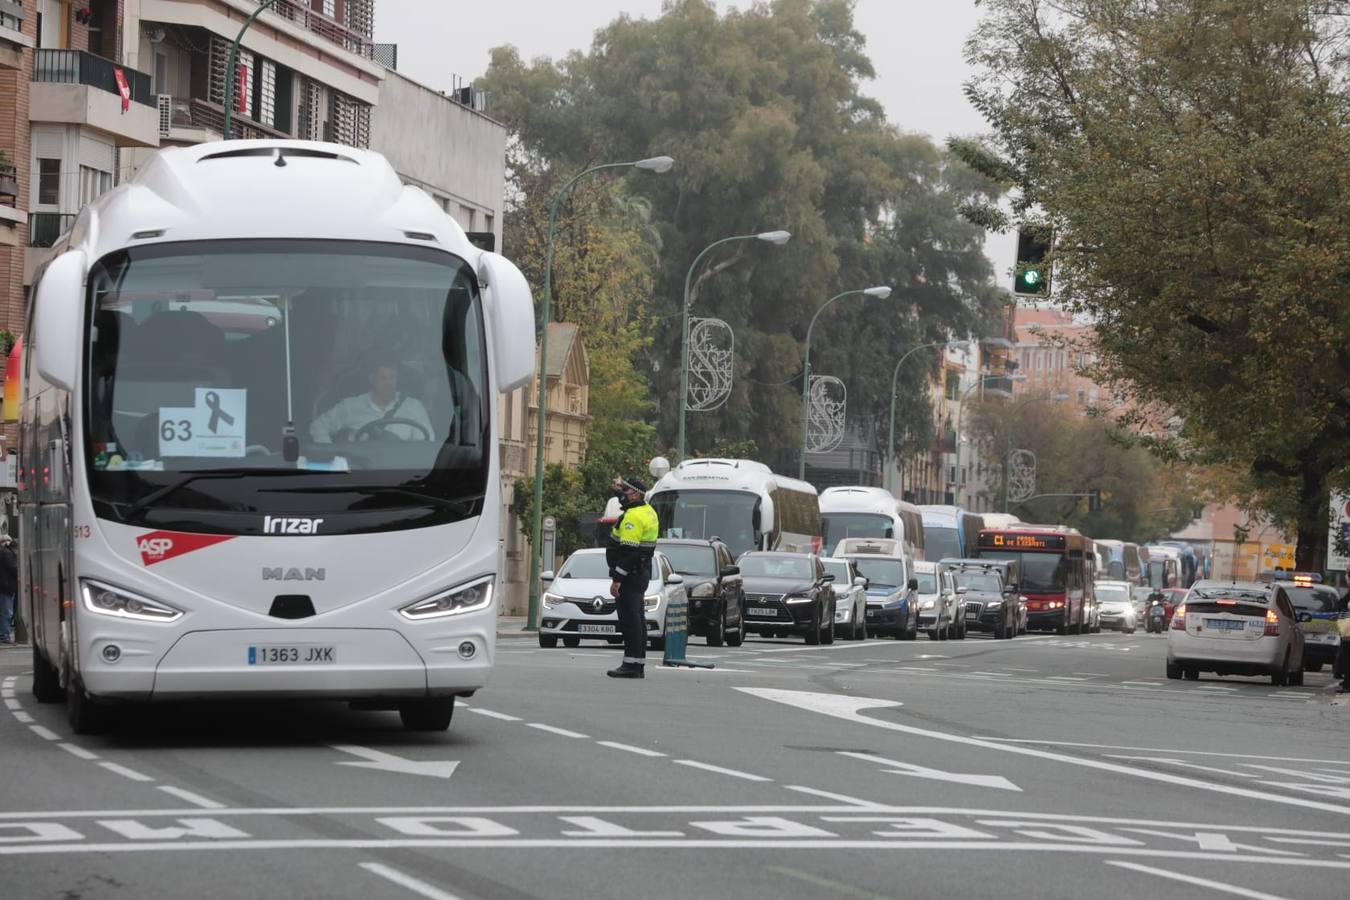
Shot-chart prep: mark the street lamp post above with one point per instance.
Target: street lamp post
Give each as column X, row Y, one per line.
column 895, row 384
column 1007, row 450
column 772, row 237
column 653, row 164
column 880, row 293
column 233, row 61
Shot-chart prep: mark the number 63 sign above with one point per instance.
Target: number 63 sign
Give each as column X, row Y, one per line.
column 212, row 426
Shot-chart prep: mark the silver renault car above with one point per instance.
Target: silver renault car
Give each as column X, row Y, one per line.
column 577, row 603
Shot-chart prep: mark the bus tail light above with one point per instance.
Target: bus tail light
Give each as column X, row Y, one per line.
column 110, row 601
column 1272, row 624
column 1179, row 618
column 469, row 597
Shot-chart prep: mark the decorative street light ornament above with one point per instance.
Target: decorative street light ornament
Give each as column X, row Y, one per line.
column 1021, row 475
column 825, row 414
column 712, row 349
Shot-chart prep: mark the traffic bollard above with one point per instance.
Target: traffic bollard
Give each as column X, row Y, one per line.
column 677, row 636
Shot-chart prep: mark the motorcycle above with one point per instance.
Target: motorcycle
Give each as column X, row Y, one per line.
column 1156, row 618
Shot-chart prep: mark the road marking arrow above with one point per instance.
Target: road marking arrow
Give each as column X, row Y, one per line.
column 895, row 767
column 850, row 709
column 388, row 762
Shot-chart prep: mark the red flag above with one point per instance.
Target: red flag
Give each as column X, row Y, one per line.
column 123, row 87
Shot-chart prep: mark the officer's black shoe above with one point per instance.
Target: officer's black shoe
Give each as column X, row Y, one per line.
column 627, row 670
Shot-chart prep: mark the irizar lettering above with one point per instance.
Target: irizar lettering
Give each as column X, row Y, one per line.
column 290, row 525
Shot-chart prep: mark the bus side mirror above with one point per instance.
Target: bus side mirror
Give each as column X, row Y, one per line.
column 509, row 310
column 57, row 323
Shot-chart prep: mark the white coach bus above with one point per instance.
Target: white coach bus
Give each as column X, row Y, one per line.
column 871, row 512
column 258, row 438
column 740, row 501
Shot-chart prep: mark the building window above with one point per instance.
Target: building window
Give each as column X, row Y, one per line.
column 330, row 8
column 1082, row 398
column 93, row 184
column 49, row 182
column 953, row 385
column 267, row 93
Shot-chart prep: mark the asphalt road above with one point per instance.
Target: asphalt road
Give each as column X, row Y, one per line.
column 1040, row 767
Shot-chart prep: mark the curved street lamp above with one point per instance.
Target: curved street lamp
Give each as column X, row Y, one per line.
column 657, row 164
column 772, row 237
column 895, row 384
column 233, row 60
column 881, row 293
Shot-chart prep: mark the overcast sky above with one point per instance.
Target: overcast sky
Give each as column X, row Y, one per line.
column 915, row 45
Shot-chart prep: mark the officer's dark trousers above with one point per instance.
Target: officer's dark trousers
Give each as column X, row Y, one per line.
column 633, row 622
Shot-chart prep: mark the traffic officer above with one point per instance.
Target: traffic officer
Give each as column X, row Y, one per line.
column 629, row 556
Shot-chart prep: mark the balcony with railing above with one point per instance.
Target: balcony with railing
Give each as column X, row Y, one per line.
column 189, row 119
column 44, row 228
column 326, row 27
column 79, row 88
column 13, row 41
column 998, row 386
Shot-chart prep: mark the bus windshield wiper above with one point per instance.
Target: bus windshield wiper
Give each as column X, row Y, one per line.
column 462, row 504
column 191, row 475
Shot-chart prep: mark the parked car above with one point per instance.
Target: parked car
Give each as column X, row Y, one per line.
column 991, row 604
column 892, row 590
column 713, row 582
column 577, row 603
column 788, row 593
column 1236, row 628
column 850, row 598
column 1116, row 606
column 941, row 611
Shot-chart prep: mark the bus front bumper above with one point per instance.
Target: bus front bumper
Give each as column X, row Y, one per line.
column 331, row 663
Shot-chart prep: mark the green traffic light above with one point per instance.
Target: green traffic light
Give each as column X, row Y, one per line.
column 1032, row 277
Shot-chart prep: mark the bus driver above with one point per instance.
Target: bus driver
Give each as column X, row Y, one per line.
column 381, row 411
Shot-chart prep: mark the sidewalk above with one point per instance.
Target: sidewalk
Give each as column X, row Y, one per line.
column 513, row 628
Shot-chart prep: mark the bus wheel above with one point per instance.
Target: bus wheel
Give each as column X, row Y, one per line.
column 46, row 680
column 84, row 715
column 427, row 715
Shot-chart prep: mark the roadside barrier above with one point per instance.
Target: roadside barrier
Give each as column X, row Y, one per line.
column 677, row 636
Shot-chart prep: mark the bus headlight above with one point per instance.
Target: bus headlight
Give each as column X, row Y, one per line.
column 469, row 597
column 651, row 601
column 110, row 601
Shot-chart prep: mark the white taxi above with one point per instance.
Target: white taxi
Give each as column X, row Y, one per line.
column 1236, row 628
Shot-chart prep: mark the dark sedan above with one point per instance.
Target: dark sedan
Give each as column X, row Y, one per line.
column 788, row 593
column 716, row 595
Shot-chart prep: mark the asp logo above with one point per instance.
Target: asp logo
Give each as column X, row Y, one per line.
column 159, row 546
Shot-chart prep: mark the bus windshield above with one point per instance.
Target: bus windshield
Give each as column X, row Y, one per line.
column 336, row 380
column 1116, row 569
column 733, row 516
column 1038, row 573
column 941, row 542
column 837, row 526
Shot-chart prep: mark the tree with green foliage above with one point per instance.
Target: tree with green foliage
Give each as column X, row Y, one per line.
column 763, row 111
column 1191, row 158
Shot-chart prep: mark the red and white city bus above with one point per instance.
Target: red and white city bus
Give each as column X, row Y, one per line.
column 1054, row 565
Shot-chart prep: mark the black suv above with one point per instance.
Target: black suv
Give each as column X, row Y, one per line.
column 788, row 593
column 713, row 582
column 991, row 604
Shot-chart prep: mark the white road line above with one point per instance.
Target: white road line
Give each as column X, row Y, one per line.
column 494, row 715
column 1003, row 740
column 7, row 692
column 1214, row 687
column 75, row 750
column 559, row 731
column 21, row 716
column 1144, row 683
column 629, row 748
column 1065, row 678
column 11, row 703
column 1192, row 879
column 125, row 772
column 194, row 799
column 842, row 798
column 1093, row 674
column 45, row 733
column 1183, row 764
column 431, row 892
column 695, row 764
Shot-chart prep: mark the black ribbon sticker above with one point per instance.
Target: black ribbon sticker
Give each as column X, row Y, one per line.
column 217, row 414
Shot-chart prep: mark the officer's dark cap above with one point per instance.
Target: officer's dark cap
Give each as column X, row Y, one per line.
column 635, row 484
